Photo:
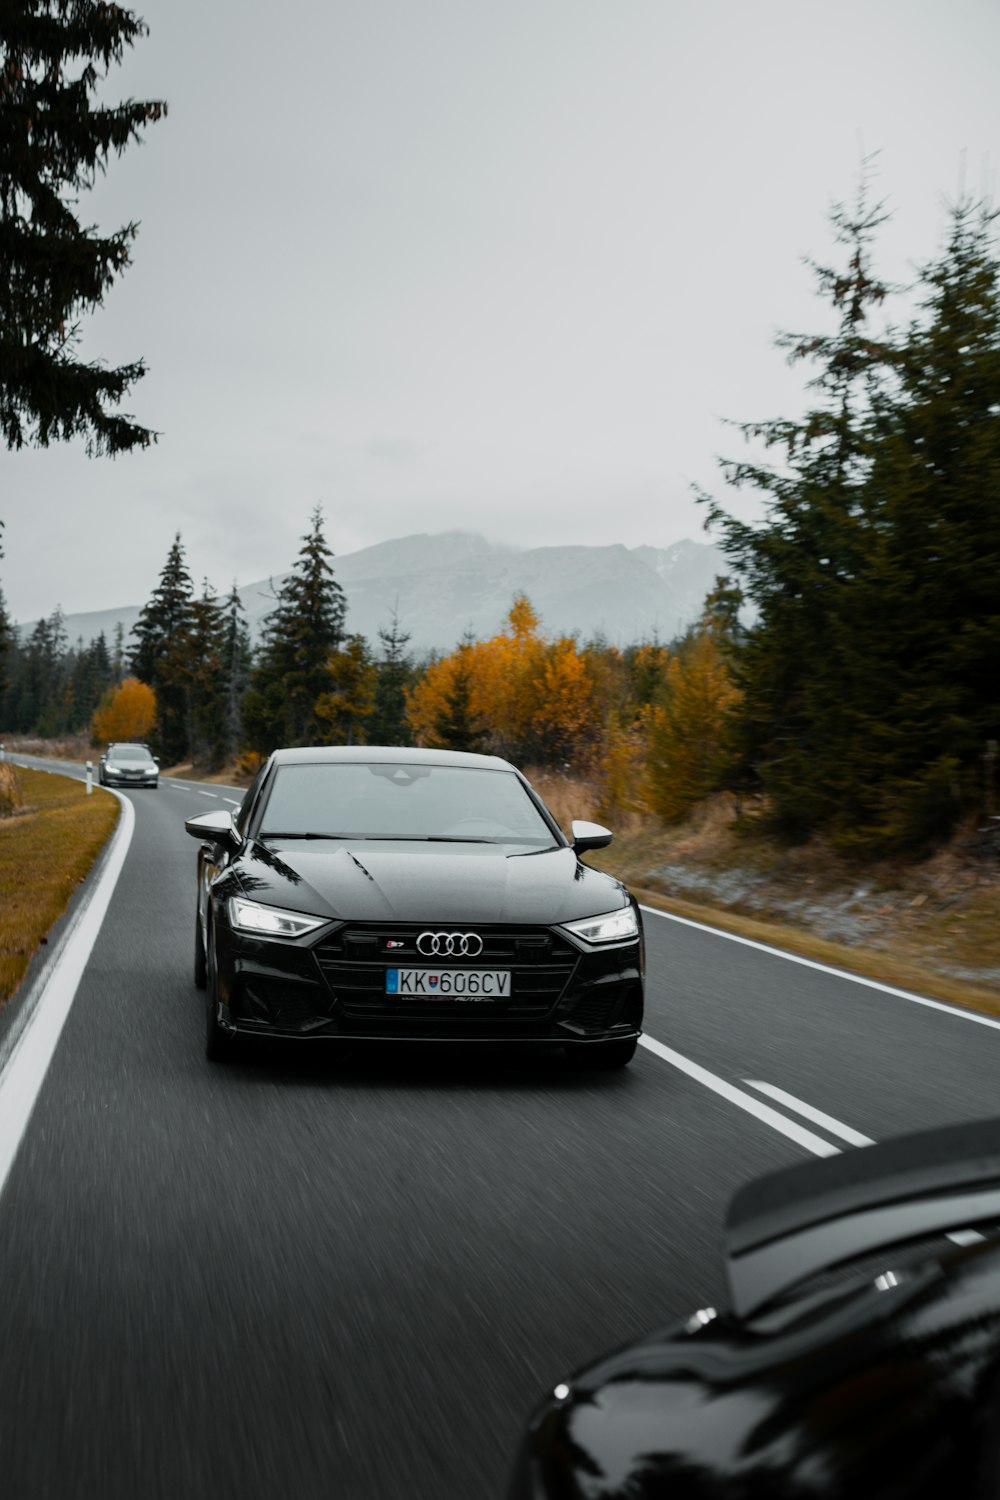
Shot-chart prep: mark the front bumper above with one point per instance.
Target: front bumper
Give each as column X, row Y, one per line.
column 334, row 986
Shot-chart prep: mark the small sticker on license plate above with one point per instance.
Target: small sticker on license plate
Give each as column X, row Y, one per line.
column 449, row 984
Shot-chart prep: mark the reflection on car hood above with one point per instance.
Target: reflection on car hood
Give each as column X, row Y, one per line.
column 417, row 882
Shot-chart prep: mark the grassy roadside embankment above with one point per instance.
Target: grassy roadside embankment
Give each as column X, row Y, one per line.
column 46, row 848
column 930, row 926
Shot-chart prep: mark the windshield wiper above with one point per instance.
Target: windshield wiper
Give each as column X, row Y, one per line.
column 397, row 838
column 272, row 834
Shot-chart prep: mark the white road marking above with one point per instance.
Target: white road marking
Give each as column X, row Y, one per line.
column 817, row 1116
column 27, row 1065
column 236, row 801
column 806, row 1138
column 779, row 1122
column 811, row 963
column 206, row 794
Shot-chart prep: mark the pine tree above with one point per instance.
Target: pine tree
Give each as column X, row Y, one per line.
column 920, row 632
column 205, row 680
column 456, row 726
column 236, row 659
column 91, row 675
column 54, row 139
column 350, row 697
column 162, row 656
column 6, row 643
column 797, row 567
column 388, row 724
column 6, row 637
column 40, row 705
column 300, row 635
column 118, row 653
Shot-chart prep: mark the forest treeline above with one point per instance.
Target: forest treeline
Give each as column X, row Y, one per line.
column 843, row 680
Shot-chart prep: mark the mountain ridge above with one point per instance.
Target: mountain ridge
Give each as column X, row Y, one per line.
column 444, row 584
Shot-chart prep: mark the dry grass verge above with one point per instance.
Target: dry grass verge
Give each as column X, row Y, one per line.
column 932, row 926
column 46, row 849
column 870, row 963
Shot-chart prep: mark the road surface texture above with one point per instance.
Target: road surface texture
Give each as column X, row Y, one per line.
column 308, row 1273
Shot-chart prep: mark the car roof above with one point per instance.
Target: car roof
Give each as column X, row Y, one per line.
column 388, row 754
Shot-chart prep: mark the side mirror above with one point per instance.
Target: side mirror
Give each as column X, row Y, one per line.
column 589, row 836
column 214, row 828
column 156, row 760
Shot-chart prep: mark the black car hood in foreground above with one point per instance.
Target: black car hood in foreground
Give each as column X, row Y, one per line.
column 370, row 881
column 884, row 1386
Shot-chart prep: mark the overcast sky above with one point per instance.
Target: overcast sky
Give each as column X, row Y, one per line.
column 496, row 266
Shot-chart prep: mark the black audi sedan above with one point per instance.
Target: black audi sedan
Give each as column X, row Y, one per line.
column 372, row 893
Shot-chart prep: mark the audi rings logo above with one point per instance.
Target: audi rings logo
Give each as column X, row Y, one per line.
column 450, row 944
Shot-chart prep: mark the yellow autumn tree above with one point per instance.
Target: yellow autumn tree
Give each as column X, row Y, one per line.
column 345, row 706
column 515, row 694
column 127, row 712
column 565, row 717
column 689, row 727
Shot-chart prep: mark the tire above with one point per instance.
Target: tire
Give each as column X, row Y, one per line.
column 200, row 966
column 218, row 1043
column 601, row 1056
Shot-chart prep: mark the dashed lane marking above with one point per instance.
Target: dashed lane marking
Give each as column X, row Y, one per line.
column 808, row 1112
column 795, row 1132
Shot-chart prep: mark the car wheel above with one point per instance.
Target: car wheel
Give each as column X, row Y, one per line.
column 218, row 1043
column 200, row 967
column 602, row 1055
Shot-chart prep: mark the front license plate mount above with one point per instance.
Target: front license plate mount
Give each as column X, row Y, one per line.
column 448, row 984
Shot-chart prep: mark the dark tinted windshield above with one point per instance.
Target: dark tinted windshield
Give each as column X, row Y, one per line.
column 129, row 752
column 406, row 801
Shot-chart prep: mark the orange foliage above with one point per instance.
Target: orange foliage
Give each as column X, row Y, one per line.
column 689, row 729
column 124, row 713
column 565, row 715
column 528, row 697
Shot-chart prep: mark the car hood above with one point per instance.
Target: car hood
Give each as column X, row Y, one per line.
column 370, row 882
column 130, row 765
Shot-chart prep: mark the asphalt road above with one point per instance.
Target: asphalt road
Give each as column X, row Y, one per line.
column 307, row 1274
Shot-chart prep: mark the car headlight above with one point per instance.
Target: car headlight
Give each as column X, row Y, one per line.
column 250, row 916
column 150, row 770
column 611, row 927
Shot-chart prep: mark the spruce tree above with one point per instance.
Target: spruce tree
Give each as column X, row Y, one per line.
column 118, row 653
column 6, row 640
column 456, row 727
column 350, row 696
column 236, row 660
column 300, row 635
column 206, row 676
column 388, row 724
column 6, row 636
column 920, row 631
column 54, row 139
column 797, row 566
column 161, row 657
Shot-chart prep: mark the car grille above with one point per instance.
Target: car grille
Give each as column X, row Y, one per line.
column 354, row 959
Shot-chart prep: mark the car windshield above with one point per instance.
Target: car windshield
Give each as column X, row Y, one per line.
column 402, row 800
column 129, row 752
